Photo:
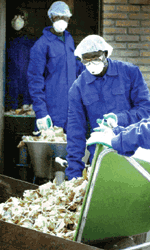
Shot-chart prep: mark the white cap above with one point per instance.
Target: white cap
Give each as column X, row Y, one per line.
column 92, row 43
column 59, row 8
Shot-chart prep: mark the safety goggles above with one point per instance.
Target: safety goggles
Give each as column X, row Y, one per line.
column 57, row 18
column 95, row 61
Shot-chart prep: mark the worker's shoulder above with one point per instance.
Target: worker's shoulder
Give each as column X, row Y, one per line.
column 76, row 86
column 41, row 41
column 124, row 65
column 80, row 80
column 67, row 33
column 45, row 37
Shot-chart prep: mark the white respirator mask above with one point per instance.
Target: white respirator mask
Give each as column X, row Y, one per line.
column 95, row 69
column 17, row 23
column 60, row 26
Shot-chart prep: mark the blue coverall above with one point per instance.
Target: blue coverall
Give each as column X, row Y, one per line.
column 122, row 90
column 128, row 139
column 52, row 70
column 18, row 52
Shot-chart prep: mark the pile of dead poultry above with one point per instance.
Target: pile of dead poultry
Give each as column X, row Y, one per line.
column 25, row 110
column 53, row 134
column 49, row 209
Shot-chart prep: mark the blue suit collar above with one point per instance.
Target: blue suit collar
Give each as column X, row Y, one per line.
column 112, row 69
column 50, row 36
column 89, row 78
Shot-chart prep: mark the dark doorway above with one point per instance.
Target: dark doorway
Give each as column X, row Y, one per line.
column 84, row 20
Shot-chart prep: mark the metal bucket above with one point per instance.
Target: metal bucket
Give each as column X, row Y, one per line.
column 41, row 154
column 60, row 177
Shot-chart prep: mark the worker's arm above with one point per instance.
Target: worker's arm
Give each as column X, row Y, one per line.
column 139, row 98
column 35, row 74
column 127, row 140
column 76, row 136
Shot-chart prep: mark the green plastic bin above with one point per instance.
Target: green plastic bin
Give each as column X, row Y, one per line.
column 117, row 200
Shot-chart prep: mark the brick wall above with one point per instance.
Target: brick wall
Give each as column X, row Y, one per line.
column 126, row 26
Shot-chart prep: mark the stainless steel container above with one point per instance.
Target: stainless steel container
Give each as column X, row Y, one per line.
column 41, row 154
column 14, row 237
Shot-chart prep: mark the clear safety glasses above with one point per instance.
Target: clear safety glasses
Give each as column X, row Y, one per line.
column 95, row 61
column 57, row 18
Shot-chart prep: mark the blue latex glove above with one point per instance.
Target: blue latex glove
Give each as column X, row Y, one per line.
column 44, row 123
column 112, row 120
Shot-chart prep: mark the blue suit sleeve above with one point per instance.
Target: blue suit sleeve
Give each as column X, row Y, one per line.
column 76, row 138
column 118, row 129
column 139, row 98
column 134, row 136
column 35, row 74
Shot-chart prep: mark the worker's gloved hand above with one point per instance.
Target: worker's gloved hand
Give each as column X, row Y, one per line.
column 103, row 138
column 102, row 125
column 44, row 123
column 112, row 120
column 61, row 161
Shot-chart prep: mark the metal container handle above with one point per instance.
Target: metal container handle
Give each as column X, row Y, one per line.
column 138, row 246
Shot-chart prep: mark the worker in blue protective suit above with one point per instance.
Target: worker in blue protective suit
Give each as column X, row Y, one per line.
column 105, row 86
column 52, row 69
column 127, row 140
column 106, row 89
column 20, row 41
column 124, row 140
